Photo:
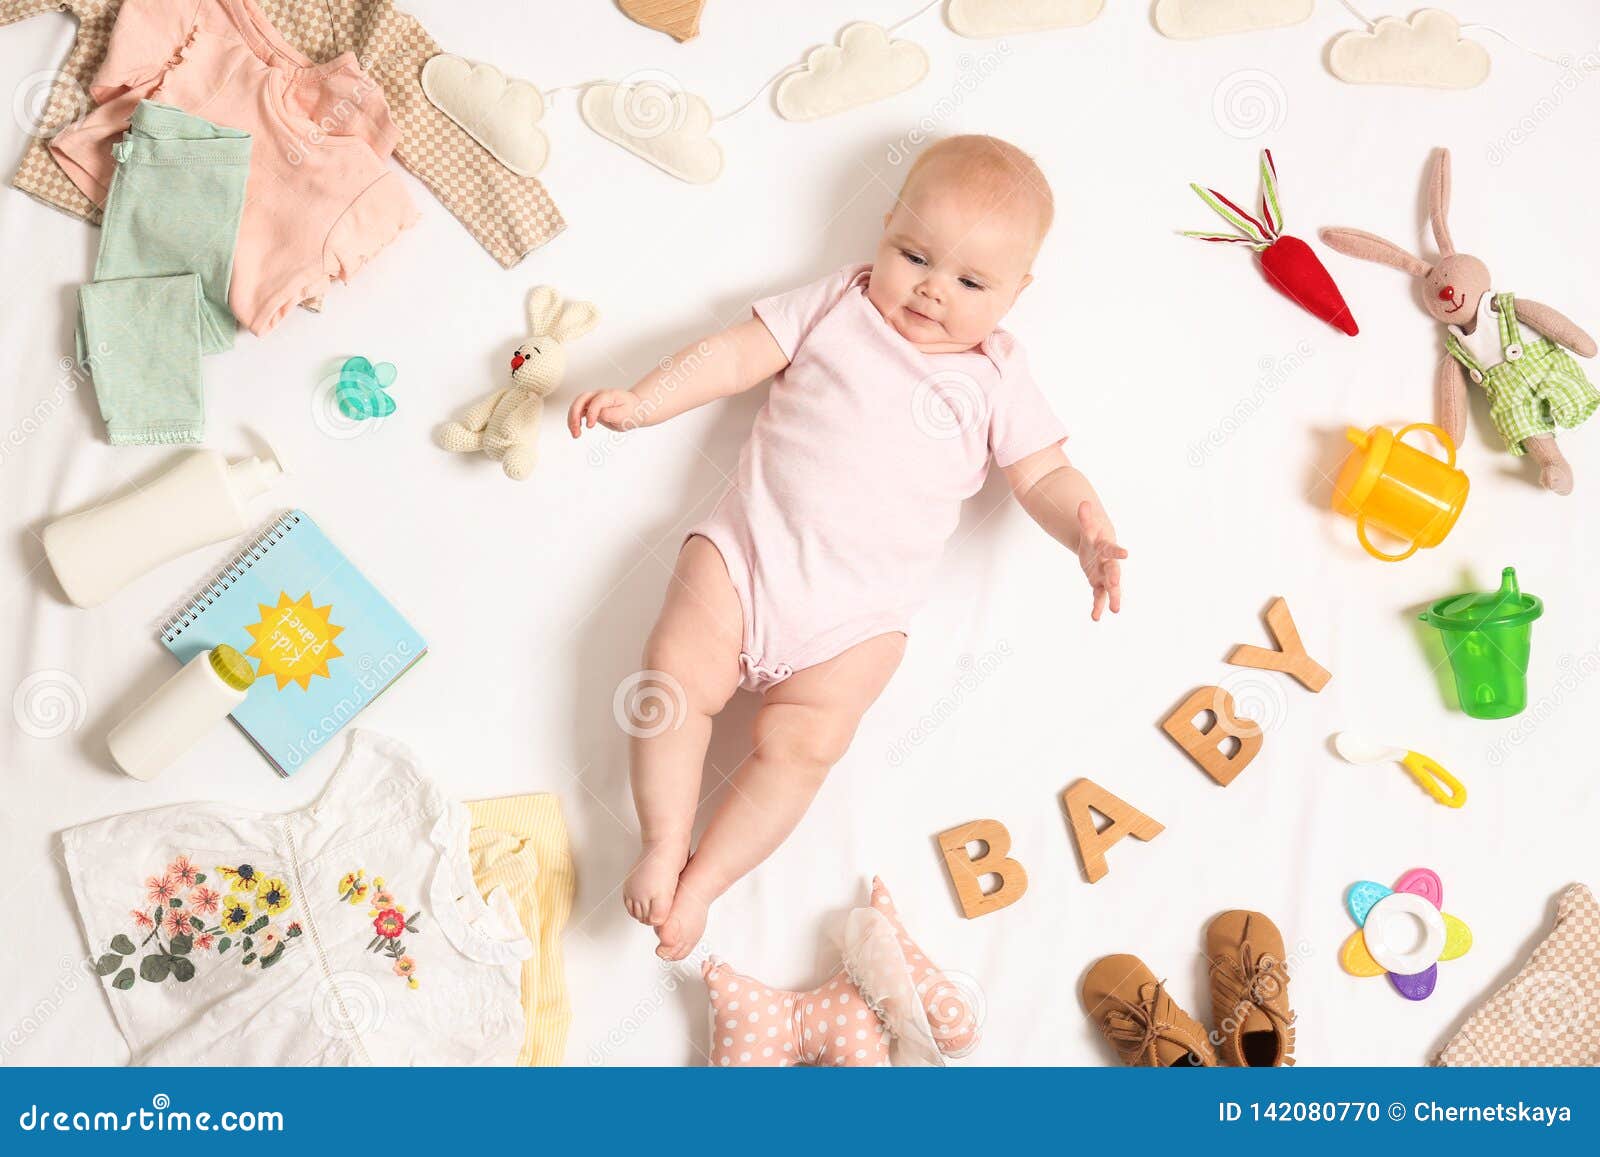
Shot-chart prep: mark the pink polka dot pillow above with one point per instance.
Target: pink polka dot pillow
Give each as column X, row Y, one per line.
column 887, row 1003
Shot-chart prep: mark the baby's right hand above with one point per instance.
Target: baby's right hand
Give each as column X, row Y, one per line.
column 613, row 409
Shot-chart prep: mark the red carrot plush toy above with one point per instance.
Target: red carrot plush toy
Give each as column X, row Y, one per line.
column 1288, row 262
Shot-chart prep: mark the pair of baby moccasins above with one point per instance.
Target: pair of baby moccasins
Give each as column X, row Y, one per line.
column 1253, row 1025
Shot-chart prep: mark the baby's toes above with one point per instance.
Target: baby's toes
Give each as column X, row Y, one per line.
column 656, row 909
column 681, row 930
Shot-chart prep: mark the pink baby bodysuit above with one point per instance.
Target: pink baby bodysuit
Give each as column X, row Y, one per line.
column 854, row 475
column 320, row 199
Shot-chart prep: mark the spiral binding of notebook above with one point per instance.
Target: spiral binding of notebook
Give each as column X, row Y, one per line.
column 253, row 552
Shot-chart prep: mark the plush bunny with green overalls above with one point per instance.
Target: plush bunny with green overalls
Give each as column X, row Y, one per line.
column 1534, row 385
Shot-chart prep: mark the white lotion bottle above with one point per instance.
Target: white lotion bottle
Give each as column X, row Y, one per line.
column 201, row 500
column 204, row 691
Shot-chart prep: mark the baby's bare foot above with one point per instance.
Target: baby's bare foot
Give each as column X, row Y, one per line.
column 648, row 890
column 683, row 927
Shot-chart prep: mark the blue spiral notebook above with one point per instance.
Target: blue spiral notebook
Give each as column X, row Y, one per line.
column 323, row 642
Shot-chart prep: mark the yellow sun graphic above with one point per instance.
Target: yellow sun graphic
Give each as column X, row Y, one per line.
column 294, row 640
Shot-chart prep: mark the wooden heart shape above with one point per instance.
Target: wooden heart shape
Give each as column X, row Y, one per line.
column 679, row 19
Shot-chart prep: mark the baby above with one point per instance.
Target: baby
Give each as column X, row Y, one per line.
column 892, row 388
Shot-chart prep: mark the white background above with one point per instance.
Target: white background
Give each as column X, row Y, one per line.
column 536, row 597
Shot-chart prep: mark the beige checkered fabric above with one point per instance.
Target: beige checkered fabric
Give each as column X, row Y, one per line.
column 510, row 215
column 67, row 100
column 1549, row 1015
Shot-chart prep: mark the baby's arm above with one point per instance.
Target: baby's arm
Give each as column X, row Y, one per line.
column 1059, row 498
column 723, row 364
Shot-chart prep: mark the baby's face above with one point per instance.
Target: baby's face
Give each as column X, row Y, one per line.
column 949, row 266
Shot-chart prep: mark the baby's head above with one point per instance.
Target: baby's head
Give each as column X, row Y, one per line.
column 959, row 243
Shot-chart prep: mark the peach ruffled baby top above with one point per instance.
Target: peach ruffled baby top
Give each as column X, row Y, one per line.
column 321, row 199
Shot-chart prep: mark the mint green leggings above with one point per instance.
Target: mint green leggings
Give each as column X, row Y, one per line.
column 160, row 293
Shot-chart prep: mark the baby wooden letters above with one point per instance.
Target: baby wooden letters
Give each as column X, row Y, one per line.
column 1209, row 746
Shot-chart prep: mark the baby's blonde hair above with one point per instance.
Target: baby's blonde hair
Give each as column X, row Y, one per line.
column 995, row 169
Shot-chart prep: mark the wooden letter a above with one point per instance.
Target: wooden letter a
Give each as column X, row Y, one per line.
column 1126, row 820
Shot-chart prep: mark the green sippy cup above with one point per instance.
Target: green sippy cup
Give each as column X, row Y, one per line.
column 1487, row 636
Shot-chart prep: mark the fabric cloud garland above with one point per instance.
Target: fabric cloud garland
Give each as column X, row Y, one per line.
column 650, row 116
column 1425, row 51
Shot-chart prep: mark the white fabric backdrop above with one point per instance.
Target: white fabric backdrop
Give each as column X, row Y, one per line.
column 536, row 597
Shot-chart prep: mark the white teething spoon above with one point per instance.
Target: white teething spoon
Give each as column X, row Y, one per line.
column 1435, row 780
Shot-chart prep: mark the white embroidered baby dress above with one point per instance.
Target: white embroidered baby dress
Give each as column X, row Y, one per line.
column 347, row 932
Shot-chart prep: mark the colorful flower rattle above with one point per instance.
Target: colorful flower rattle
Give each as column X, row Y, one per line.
column 1404, row 932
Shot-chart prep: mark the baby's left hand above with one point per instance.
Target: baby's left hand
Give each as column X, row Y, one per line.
column 1101, row 559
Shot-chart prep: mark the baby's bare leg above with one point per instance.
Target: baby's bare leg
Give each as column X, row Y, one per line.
column 691, row 671
column 801, row 731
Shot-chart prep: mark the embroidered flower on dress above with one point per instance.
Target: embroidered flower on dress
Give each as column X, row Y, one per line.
column 353, row 886
column 184, row 872
column 389, row 921
column 173, row 932
column 272, row 897
column 160, row 889
column 243, row 878
column 235, row 912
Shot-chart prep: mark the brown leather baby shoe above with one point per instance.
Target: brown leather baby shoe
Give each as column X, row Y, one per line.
column 1132, row 1010
column 1254, row 1025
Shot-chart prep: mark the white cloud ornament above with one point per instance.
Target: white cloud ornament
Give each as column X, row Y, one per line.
column 501, row 115
column 1193, row 19
column 670, row 129
column 985, row 18
column 866, row 65
column 1425, row 52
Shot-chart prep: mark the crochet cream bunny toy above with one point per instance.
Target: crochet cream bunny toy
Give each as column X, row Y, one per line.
column 1534, row 385
column 505, row 425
